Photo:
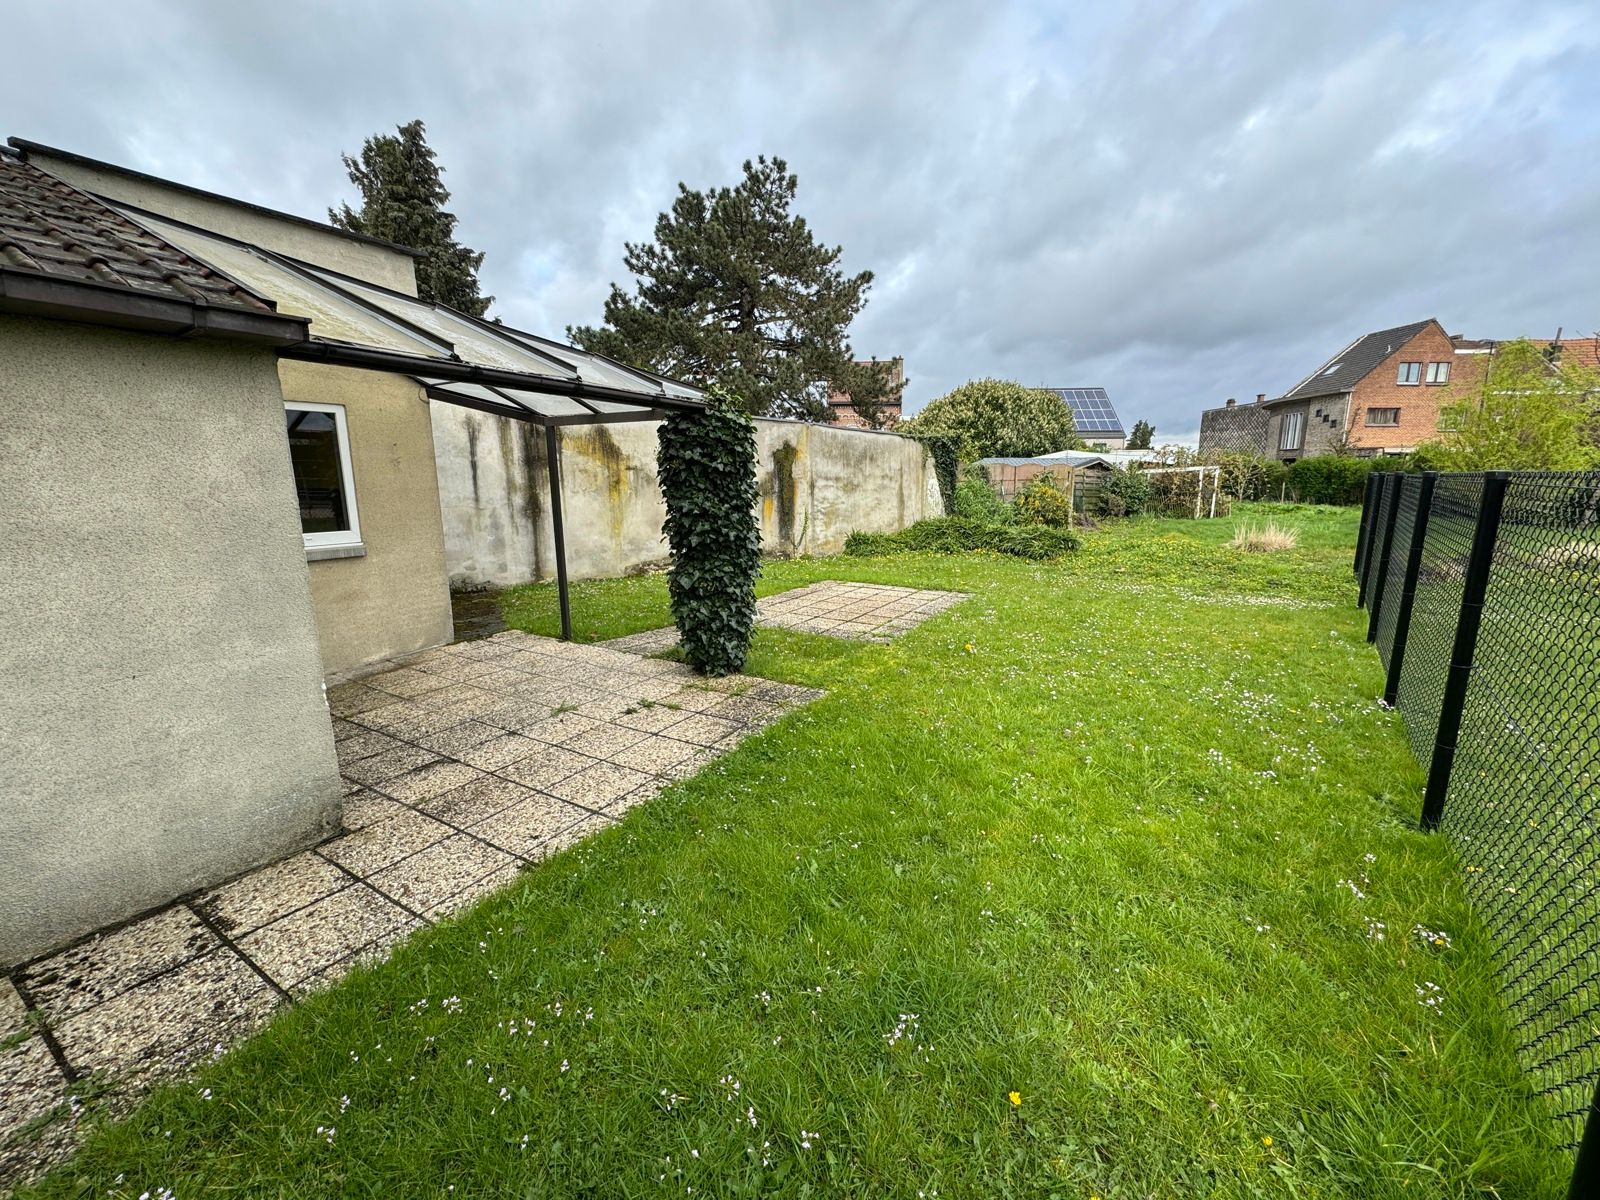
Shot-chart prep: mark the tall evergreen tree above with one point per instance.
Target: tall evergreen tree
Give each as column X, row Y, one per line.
column 736, row 290
column 402, row 200
column 1139, row 437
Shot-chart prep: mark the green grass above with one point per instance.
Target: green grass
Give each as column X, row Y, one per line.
column 1091, row 827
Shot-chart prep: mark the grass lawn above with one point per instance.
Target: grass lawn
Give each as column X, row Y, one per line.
column 1104, row 883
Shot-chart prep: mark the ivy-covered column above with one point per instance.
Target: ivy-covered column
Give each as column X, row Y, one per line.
column 707, row 465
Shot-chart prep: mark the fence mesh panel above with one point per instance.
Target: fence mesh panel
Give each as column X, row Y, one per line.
column 1393, row 581
column 1524, row 797
column 1523, row 810
column 1386, row 500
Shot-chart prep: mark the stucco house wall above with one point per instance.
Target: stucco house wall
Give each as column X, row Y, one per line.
column 817, row 484
column 393, row 599
column 163, row 707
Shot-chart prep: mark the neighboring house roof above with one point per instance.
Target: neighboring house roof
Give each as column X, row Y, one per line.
column 65, row 254
column 1062, row 458
column 1354, row 363
column 1092, row 412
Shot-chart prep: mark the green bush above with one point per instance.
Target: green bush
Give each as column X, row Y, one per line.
column 1330, row 479
column 977, row 501
column 1249, row 476
column 1126, row 493
column 707, row 465
column 1041, row 502
column 958, row 535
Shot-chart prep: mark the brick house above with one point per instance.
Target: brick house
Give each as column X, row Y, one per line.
column 843, row 408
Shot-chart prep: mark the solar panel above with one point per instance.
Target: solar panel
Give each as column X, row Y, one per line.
column 1092, row 411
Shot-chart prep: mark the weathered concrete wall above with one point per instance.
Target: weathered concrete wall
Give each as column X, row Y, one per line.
column 310, row 242
column 395, row 598
column 817, row 484
column 162, row 705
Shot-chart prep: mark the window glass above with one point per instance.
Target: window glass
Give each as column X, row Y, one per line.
column 1293, row 431
column 1438, row 372
column 1410, row 372
column 1383, row 416
column 319, row 454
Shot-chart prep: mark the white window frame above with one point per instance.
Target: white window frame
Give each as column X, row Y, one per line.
column 342, row 538
column 1438, row 372
column 1292, row 434
column 1400, row 375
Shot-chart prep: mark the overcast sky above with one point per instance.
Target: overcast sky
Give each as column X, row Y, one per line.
column 1177, row 201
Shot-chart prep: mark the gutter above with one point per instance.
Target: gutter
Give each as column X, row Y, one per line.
column 29, row 294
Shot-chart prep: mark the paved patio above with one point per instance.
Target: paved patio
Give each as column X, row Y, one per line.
column 463, row 766
column 875, row 612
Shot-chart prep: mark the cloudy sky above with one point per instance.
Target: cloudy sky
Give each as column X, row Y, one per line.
column 1177, row 201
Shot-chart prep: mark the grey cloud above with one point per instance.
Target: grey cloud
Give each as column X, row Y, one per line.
column 1178, row 202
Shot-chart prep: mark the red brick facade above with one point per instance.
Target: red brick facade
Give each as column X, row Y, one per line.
column 844, row 413
column 1413, row 406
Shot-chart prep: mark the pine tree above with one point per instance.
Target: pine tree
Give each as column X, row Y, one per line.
column 1139, row 438
column 736, row 290
column 402, row 200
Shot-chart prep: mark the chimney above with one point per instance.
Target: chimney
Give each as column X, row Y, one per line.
column 1231, row 402
column 1261, row 397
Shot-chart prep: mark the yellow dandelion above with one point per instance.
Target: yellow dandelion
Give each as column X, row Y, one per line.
column 1015, row 1098
column 1266, row 1141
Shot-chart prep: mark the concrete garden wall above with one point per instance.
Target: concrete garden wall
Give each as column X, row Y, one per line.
column 818, row 483
column 164, row 719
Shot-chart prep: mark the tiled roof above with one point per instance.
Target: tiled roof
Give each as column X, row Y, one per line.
column 1352, row 364
column 50, row 228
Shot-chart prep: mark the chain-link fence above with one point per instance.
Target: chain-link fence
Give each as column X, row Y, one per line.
column 1483, row 595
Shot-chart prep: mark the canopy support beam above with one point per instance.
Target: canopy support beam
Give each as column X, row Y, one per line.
column 552, row 455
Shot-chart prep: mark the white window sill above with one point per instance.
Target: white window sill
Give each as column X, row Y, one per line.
column 323, row 553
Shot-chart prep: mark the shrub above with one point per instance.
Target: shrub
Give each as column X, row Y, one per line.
column 958, row 535
column 996, row 418
column 1330, row 479
column 1041, row 502
column 707, row 464
column 1268, row 539
column 977, row 501
column 1126, row 493
column 1249, row 476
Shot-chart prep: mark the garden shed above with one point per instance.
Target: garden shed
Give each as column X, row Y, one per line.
column 1080, row 474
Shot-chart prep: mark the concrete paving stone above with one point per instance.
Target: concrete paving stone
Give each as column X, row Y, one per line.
column 653, row 754
column 364, row 807
column 170, row 1022
column 348, row 699
column 406, row 682
column 608, row 707
column 448, row 667
column 526, row 826
column 30, row 1084
column 483, row 650
column 362, row 745
column 498, row 679
column 457, row 739
column 547, row 766
column 687, row 768
column 631, row 800
column 390, row 764
column 603, row 741
column 572, row 835
column 513, row 715
column 597, row 786
column 656, row 688
column 13, row 1012
column 426, row 880
column 477, row 801
column 747, row 710
column 654, row 717
column 310, row 939
column 501, row 751
column 272, row 892
column 377, row 846
column 112, row 963
column 703, row 730
column 369, row 955
column 475, row 891
column 560, row 730
column 345, row 729
column 432, row 780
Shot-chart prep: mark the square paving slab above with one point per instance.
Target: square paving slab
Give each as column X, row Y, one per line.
column 874, row 612
column 463, row 766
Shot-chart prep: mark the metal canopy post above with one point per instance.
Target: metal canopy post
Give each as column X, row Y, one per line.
column 552, row 453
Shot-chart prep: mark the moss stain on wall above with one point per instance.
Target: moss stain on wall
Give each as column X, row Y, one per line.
column 528, row 486
column 596, row 444
column 781, row 489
